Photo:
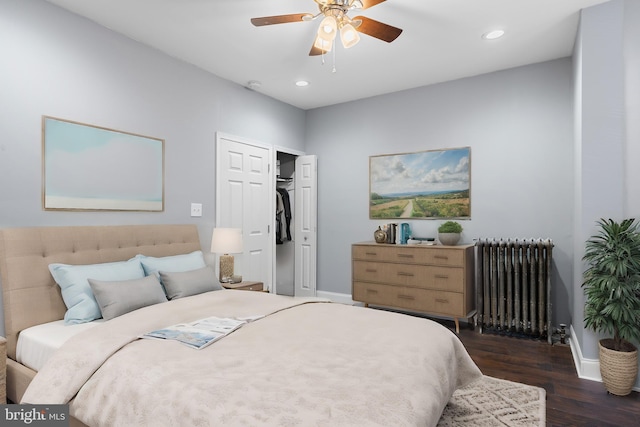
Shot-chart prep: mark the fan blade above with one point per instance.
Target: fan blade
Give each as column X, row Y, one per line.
column 366, row 4
column 316, row 51
column 377, row 29
column 279, row 19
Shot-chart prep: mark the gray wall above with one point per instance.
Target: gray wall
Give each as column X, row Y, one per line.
column 57, row 64
column 519, row 125
column 607, row 142
column 631, row 54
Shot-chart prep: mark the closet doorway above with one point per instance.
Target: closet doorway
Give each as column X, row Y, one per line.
column 247, row 183
column 295, row 236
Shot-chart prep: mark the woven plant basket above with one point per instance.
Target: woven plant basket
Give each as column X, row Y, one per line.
column 618, row 369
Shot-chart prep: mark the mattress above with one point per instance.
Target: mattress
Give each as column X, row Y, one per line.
column 38, row 343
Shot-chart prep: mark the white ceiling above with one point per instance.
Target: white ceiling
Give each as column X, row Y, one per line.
column 441, row 41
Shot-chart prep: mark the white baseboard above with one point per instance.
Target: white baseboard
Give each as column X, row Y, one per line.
column 336, row 297
column 588, row 369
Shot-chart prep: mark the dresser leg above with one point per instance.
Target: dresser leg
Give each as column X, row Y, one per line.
column 366, row 305
column 455, row 319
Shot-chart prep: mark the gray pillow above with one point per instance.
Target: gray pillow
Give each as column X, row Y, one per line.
column 187, row 283
column 118, row 298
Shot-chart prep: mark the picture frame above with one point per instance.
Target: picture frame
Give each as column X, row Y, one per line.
column 93, row 168
column 433, row 184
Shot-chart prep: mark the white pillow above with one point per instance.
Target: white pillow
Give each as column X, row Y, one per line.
column 76, row 291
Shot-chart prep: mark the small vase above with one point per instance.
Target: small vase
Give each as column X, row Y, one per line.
column 449, row 239
column 380, row 235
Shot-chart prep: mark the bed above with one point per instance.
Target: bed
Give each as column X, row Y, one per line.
column 304, row 361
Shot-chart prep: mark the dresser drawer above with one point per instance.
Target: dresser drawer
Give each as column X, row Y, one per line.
column 409, row 254
column 432, row 301
column 420, row 276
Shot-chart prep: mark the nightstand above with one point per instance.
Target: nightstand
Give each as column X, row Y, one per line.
column 244, row 286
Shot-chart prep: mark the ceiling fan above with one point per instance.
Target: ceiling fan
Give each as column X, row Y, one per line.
column 335, row 19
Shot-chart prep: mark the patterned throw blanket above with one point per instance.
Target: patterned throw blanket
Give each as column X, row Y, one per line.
column 306, row 363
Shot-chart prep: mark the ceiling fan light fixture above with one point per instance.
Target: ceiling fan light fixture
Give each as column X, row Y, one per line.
column 328, row 28
column 349, row 36
column 322, row 44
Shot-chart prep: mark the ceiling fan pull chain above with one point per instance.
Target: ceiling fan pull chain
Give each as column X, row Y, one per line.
column 333, row 70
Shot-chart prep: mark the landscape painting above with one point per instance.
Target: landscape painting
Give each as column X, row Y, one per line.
column 424, row 185
column 89, row 167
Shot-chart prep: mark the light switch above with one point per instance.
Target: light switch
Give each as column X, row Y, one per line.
column 196, row 209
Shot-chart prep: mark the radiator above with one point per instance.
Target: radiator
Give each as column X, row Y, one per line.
column 514, row 286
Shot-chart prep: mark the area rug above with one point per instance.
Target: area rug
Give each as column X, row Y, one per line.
column 492, row 402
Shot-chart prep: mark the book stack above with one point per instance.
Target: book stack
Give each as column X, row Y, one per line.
column 397, row 234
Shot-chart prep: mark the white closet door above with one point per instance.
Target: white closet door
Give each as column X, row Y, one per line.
column 306, row 207
column 243, row 199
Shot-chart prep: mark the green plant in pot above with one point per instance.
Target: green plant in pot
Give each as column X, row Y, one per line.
column 612, row 291
column 449, row 233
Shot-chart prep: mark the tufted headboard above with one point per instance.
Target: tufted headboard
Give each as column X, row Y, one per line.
column 31, row 296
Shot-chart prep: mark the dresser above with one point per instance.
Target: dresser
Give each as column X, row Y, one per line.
column 434, row 279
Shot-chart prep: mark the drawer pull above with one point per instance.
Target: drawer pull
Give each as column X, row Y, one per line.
column 372, row 291
column 401, row 296
column 442, row 300
column 441, row 257
column 371, row 270
column 400, row 273
column 371, row 253
column 405, row 255
column 441, row 276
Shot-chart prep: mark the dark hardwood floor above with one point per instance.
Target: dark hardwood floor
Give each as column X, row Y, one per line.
column 571, row 401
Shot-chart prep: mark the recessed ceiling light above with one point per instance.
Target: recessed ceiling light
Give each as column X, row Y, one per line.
column 492, row 35
column 302, row 83
column 253, row 84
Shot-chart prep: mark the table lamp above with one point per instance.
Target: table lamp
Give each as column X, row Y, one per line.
column 225, row 241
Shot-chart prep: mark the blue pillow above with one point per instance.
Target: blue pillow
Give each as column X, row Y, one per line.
column 81, row 304
column 173, row 264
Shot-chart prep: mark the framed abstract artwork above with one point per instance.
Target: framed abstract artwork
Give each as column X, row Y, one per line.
column 433, row 184
column 89, row 168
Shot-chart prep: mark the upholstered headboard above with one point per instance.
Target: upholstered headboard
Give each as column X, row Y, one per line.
column 31, row 296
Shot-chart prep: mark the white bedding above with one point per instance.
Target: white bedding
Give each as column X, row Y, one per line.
column 304, row 364
column 38, row 343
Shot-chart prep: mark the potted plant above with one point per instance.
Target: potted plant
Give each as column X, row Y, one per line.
column 449, row 233
column 612, row 291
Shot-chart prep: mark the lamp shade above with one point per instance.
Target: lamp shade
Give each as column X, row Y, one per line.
column 327, row 29
column 349, row 36
column 226, row 240
column 323, row 44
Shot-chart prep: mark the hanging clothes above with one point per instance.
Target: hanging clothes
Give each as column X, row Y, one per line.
column 286, row 212
column 279, row 217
